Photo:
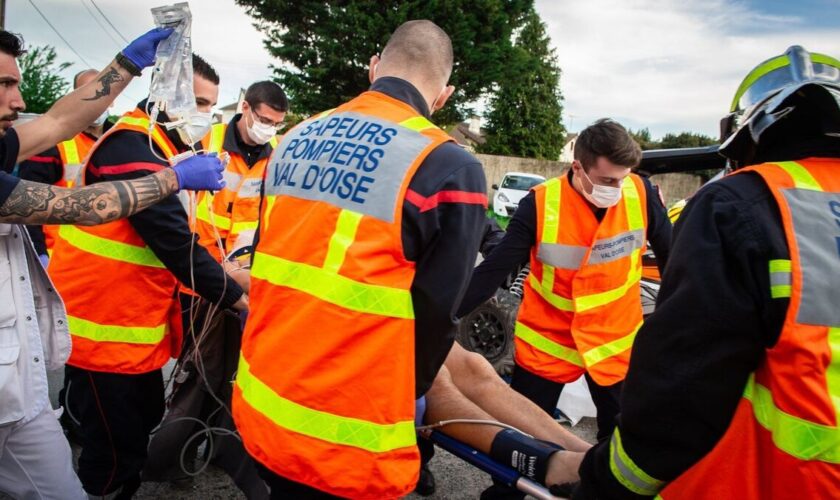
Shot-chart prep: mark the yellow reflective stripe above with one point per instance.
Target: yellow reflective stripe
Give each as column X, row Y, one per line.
column 587, row 302
column 780, row 275
column 547, row 346
column 156, row 133
column 217, row 138
column 112, row 333
column 273, row 141
column 269, row 204
column 795, row 436
column 109, row 249
column 71, row 152
column 334, row 288
column 610, row 349
column 244, row 225
column 345, row 431
column 342, row 238
column 557, row 301
column 418, row 124
column 630, row 475
column 802, row 179
column 755, row 74
column 202, row 213
column 551, row 217
column 832, row 373
column 632, row 204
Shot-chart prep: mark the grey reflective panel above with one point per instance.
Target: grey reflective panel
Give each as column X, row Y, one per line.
column 250, row 188
column 816, row 223
column 561, row 256
column 617, row 247
column 352, row 161
column 780, row 278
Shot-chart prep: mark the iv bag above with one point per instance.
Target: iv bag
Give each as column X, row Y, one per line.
column 172, row 77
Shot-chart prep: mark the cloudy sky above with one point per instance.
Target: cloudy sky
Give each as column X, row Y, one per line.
column 668, row 65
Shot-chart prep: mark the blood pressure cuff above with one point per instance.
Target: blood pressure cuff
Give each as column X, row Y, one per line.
column 529, row 456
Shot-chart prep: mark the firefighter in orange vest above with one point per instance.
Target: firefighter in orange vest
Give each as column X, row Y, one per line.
column 120, row 283
column 60, row 165
column 370, row 226
column 734, row 388
column 249, row 139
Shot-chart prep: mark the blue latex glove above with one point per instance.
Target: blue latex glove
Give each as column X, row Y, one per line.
column 45, row 260
column 141, row 51
column 200, row 172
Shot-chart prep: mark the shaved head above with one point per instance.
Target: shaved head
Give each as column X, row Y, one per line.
column 419, row 50
column 83, row 77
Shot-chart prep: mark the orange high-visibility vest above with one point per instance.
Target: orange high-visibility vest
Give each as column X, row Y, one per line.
column 234, row 209
column 121, row 304
column 73, row 152
column 784, row 439
column 324, row 394
column 581, row 307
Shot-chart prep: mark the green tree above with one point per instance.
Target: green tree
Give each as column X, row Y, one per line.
column 41, row 84
column 324, row 47
column 526, row 112
column 642, row 136
column 685, row 140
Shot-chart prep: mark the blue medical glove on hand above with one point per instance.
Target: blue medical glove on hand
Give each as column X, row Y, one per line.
column 200, row 172
column 141, row 52
column 45, row 259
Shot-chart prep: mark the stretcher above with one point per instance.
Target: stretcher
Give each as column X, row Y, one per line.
column 497, row 471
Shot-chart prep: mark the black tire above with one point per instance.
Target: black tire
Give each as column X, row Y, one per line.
column 488, row 330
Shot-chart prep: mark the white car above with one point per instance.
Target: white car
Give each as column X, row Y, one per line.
column 515, row 186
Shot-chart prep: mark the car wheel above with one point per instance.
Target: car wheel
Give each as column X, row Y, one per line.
column 488, row 330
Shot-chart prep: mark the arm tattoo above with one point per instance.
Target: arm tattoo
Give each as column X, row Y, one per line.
column 35, row 203
column 108, row 79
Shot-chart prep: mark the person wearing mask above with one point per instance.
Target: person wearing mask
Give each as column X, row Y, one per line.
column 734, row 386
column 125, row 318
column 35, row 459
column 370, row 227
column 60, row 165
column 584, row 234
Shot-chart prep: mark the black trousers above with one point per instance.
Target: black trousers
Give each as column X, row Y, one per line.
column 116, row 413
column 545, row 393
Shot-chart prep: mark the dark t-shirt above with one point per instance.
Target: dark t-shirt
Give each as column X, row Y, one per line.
column 9, row 147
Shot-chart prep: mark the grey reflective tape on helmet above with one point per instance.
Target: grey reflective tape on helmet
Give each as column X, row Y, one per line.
column 350, row 160
column 816, row 232
column 561, row 256
column 616, row 247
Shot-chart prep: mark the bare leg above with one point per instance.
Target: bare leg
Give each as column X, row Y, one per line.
column 475, row 378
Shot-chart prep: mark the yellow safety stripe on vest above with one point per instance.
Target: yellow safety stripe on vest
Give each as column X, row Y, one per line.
column 244, row 225
column 632, row 204
column 112, row 333
column 273, row 141
column 551, row 228
column 630, row 475
column 269, row 204
column 342, row 238
column 217, row 138
column 552, row 298
column 202, row 213
column 832, row 373
column 71, row 151
column 610, row 349
column 548, row 346
column 793, row 435
column 157, row 135
column 418, row 124
column 344, row 431
column 780, row 278
column 587, row 302
column 801, row 177
column 109, row 249
column 333, row 288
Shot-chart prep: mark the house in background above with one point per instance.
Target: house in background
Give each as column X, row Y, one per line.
column 226, row 113
column 567, row 155
column 469, row 134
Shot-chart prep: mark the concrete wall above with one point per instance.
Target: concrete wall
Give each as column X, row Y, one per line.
column 674, row 186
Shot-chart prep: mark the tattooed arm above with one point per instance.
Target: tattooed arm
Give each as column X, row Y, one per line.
column 72, row 113
column 35, row 203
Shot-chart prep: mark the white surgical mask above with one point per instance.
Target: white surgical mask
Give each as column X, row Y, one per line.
column 260, row 132
column 602, row 196
column 193, row 127
column 100, row 120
